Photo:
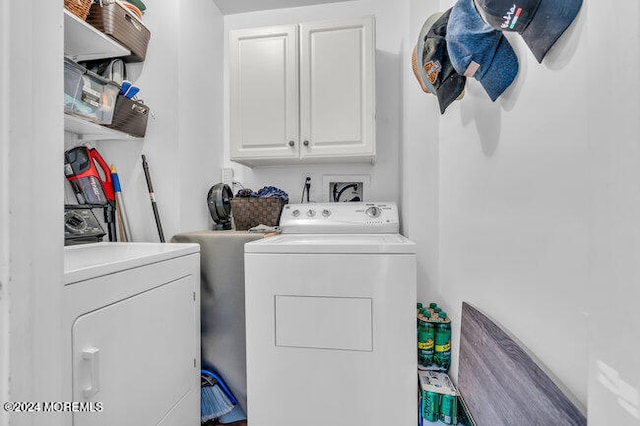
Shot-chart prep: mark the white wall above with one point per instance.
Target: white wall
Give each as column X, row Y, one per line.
column 181, row 81
column 514, row 205
column 385, row 175
column 31, row 201
column 420, row 167
column 201, row 109
column 229, row 7
column 614, row 141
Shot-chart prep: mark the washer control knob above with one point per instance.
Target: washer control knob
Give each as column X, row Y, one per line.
column 311, row 213
column 373, row 211
column 326, row 213
column 295, row 213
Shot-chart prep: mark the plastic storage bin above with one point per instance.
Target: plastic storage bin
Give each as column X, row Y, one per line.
column 87, row 94
column 72, row 80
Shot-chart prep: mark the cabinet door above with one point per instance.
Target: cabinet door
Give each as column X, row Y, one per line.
column 337, row 87
column 264, row 93
column 137, row 357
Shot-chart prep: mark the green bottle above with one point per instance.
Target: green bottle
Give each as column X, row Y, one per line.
column 433, row 305
column 443, row 343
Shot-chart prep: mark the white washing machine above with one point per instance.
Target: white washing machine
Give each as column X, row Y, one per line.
column 330, row 319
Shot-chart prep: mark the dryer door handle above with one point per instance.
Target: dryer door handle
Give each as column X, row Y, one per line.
column 92, row 357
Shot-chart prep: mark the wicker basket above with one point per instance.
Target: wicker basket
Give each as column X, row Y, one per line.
column 80, row 8
column 250, row 212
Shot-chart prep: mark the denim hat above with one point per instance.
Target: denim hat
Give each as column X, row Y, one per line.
column 539, row 22
column 477, row 50
column 431, row 65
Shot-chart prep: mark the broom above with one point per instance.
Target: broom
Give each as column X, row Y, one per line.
column 216, row 398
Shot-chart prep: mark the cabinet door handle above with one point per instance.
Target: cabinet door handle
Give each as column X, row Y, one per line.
column 292, row 143
column 92, row 356
column 305, row 143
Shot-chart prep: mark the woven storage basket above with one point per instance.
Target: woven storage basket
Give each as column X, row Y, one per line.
column 80, row 8
column 250, row 212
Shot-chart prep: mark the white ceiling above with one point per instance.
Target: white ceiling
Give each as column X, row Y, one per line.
column 229, row 7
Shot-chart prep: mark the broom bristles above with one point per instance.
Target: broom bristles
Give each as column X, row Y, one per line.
column 214, row 403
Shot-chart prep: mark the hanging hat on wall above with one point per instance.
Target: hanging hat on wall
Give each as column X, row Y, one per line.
column 431, row 65
column 478, row 50
column 539, row 22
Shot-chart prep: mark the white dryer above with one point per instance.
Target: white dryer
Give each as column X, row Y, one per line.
column 330, row 319
column 131, row 334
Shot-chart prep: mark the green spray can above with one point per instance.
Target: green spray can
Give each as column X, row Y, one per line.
column 426, row 339
column 431, row 406
column 431, row 336
column 449, row 410
column 443, row 343
column 423, row 341
column 428, row 348
column 426, row 314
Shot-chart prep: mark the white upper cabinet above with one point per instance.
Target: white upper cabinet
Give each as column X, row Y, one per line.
column 337, row 89
column 264, row 93
column 303, row 93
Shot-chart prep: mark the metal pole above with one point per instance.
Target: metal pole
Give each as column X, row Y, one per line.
column 154, row 205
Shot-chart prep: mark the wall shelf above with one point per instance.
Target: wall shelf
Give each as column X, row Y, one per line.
column 82, row 42
column 89, row 131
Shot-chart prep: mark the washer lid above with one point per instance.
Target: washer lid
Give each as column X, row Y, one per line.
column 333, row 243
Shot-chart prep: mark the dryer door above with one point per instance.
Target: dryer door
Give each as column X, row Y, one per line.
column 136, row 356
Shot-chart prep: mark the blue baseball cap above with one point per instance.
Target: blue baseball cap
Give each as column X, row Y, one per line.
column 539, row 22
column 431, row 64
column 478, row 50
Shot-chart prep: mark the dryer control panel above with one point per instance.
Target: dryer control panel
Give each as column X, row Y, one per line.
column 340, row 218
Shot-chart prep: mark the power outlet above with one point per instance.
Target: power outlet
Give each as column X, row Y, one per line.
column 340, row 192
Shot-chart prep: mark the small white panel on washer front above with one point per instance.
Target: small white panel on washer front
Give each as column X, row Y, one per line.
column 320, row 322
column 340, row 218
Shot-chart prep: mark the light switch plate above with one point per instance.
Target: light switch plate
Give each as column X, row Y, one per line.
column 227, row 176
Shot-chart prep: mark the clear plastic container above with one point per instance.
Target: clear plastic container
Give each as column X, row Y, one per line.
column 72, row 80
column 88, row 95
